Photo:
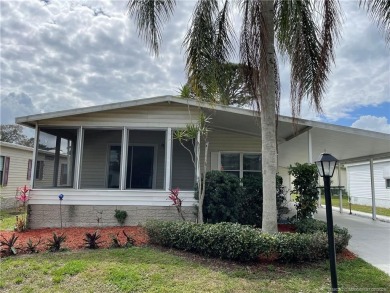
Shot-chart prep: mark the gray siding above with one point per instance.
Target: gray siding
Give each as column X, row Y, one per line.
column 222, row 140
column 183, row 169
column 156, row 115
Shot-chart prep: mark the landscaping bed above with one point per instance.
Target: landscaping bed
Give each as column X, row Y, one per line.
column 75, row 236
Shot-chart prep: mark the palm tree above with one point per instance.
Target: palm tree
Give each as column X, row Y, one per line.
column 303, row 31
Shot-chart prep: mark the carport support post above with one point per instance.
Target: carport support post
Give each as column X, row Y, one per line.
column 329, row 221
column 340, row 192
column 372, row 188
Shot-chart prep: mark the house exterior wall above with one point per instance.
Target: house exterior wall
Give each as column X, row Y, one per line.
column 359, row 183
column 17, row 176
column 87, row 215
column 159, row 115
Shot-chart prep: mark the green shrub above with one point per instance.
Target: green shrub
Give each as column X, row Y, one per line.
column 251, row 202
column 223, row 240
column 305, row 186
column 120, row 216
column 222, row 197
column 226, row 200
column 243, row 243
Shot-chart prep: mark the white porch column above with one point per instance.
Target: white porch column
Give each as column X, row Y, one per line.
column 122, row 176
column 79, row 150
column 309, row 147
column 340, row 192
column 35, row 153
column 168, row 158
column 197, row 157
column 372, row 188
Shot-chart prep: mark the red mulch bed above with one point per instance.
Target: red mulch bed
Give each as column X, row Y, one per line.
column 75, row 236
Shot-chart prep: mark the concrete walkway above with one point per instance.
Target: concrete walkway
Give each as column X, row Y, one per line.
column 370, row 239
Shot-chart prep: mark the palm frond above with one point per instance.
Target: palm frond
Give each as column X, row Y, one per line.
column 379, row 11
column 149, row 16
column 208, row 45
column 309, row 44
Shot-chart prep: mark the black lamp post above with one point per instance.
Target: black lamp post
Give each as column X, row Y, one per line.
column 326, row 165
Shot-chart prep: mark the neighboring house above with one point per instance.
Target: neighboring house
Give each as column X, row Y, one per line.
column 123, row 156
column 359, row 187
column 15, row 171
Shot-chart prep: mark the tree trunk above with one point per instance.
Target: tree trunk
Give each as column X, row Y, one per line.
column 268, row 127
column 198, row 179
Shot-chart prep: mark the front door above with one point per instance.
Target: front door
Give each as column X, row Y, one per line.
column 140, row 167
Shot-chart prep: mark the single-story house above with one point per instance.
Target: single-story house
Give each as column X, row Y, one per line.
column 359, row 182
column 15, row 171
column 123, row 156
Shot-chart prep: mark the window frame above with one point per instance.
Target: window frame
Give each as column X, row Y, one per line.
column 241, row 171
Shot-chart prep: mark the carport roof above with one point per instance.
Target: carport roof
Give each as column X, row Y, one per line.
column 345, row 143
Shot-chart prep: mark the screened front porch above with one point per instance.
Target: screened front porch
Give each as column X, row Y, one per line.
column 111, row 160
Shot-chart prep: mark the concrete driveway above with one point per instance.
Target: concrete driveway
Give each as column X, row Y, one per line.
column 370, row 239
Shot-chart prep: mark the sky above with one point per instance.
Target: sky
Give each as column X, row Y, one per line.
column 57, row 55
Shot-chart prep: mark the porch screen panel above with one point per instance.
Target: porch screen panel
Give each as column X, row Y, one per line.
column 146, row 159
column 183, row 169
column 55, row 159
column 99, row 167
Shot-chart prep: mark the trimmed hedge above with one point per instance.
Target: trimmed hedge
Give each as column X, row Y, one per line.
column 242, row 243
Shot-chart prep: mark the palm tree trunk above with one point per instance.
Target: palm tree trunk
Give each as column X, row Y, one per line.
column 268, row 126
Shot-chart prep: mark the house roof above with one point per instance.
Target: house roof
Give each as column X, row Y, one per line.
column 15, row 146
column 345, row 143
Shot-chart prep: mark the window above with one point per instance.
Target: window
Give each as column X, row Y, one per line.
column 29, row 167
column 4, row 170
column 64, row 174
column 140, row 167
column 241, row 164
column 39, row 170
column 387, row 183
column 114, row 167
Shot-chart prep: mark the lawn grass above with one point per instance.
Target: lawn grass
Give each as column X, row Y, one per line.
column 153, row 270
column 355, row 207
column 8, row 218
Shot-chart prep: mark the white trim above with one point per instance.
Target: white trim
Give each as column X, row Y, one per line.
column 124, row 149
column 366, row 163
column 168, row 159
column 241, row 153
column 34, row 158
column 79, row 155
column 109, row 197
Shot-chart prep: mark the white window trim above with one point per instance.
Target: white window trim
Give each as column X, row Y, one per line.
column 241, row 160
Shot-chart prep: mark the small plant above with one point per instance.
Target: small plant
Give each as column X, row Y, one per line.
column 32, row 247
column 177, row 201
column 120, row 216
column 20, row 224
column 115, row 243
column 99, row 217
column 91, row 240
column 9, row 245
column 129, row 240
column 55, row 243
column 22, row 195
